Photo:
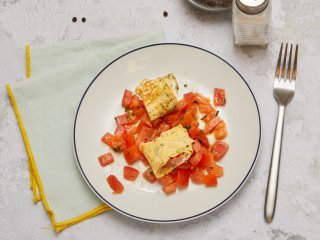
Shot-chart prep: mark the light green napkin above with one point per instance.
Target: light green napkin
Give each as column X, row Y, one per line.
column 45, row 106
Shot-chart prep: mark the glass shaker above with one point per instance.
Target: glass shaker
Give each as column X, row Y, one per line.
column 251, row 20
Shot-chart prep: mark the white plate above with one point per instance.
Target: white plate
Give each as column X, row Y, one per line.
column 202, row 71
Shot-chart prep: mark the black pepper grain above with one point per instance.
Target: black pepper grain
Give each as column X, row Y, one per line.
column 165, row 14
column 84, row 19
column 74, row 19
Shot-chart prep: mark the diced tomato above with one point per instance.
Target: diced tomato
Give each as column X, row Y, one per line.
column 132, row 154
column 220, row 131
column 120, row 130
column 129, row 139
column 116, row 142
column 127, row 118
column 144, row 159
column 211, row 125
column 183, row 178
column 206, row 109
column 196, row 146
column 106, row 159
column 146, row 120
column 126, row 99
column 194, row 129
column 195, row 159
column 170, row 188
column 196, row 176
column 115, row 184
column 193, row 108
column 216, row 169
column 187, row 119
column 188, row 98
column 139, row 111
column 203, row 139
column 122, row 119
column 175, row 161
column 201, row 99
column 219, row 149
column 219, row 97
column 135, row 102
column 162, row 128
column 130, row 173
column 207, row 118
column 206, row 159
column 107, row 139
column 166, row 180
column 146, row 135
column 130, row 129
column 173, row 118
column 149, row 175
column 156, row 123
column 184, row 165
column 210, row 180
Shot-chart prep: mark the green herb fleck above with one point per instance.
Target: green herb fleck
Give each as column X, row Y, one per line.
column 161, row 144
column 126, row 109
column 217, row 113
column 204, row 117
column 117, row 149
column 185, row 85
column 211, row 167
column 187, row 127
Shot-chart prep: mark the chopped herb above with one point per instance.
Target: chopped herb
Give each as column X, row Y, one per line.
column 217, row 113
column 126, row 109
column 117, row 149
column 185, row 85
column 187, row 127
column 211, row 167
column 161, row 144
column 204, row 117
column 132, row 114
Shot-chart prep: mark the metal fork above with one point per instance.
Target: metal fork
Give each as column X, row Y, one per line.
column 283, row 91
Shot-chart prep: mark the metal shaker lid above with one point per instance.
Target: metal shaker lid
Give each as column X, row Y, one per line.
column 252, row 6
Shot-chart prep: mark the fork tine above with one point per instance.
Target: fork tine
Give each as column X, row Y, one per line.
column 279, row 62
column 283, row 69
column 294, row 72
column 289, row 64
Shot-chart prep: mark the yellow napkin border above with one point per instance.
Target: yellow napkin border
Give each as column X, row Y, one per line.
column 35, row 181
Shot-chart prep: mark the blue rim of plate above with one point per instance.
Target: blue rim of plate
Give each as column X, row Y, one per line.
column 180, row 219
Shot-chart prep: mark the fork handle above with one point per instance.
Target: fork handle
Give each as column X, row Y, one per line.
column 271, row 195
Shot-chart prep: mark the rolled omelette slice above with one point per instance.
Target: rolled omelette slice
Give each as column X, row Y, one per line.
column 159, row 95
column 168, row 151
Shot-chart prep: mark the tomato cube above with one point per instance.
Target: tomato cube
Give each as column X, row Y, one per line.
column 126, row 99
column 130, row 173
column 132, row 154
column 106, row 159
column 197, row 176
column 166, row 180
column 219, row 149
column 210, row 180
column 171, row 188
column 149, row 175
column 219, row 97
column 211, row 125
column 115, row 184
column 183, row 178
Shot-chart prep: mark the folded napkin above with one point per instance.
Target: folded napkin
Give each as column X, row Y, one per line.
column 45, row 106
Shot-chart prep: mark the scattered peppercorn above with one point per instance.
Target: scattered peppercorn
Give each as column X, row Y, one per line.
column 74, row 19
column 84, row 19
column 165, row 14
